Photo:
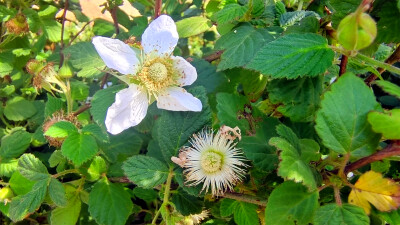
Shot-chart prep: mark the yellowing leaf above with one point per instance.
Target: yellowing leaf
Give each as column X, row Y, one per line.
column 372, row 188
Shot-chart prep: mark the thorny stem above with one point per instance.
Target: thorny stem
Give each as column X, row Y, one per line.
column 157, row 9
column 65, row 172
column 392, row 149
column 393, row 58
column 62, row 33
column 166, row 194
column 245, row 198
column 337, row 195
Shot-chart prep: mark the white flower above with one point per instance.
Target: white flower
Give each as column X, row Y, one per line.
column 214, row 160
column 154, row 74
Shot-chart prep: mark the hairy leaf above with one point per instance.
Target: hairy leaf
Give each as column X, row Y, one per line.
column 243, row 213
column 386, row 123
column 230, row 13
column 32, row 168
column 18, row 109
column 57, row 192
column 192, row 26
column 389, row 87
column 14, row 144
column 69, row 214
column 61, row 129
column 79, row 148
column 346, row 214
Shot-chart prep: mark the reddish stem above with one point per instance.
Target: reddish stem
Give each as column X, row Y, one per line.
column 343, row 65
column 113, row 12
column 157, row 9
column 216, row 55
column 393, row 58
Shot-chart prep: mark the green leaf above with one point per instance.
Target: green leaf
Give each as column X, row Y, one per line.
column 291, row 18
column 257, row 149
column 57, row 192
column 207, row 76
column 79, row 148
column 392, row 217
column 148, row 195
column 293, row 165
column 241, row 45
column 69, row 214
column 346, row 214
column 61, row 129
column 145, row 171
column 389, row 87
column 175, row 128
column 186, row 204
column 18, row 109
column 342, row 120
column 244, row 213
column 56, row 158
column 192, row 190
column 192, row 26
column 389, row 23
column 290, row 203
column 229, row 107
column 103, row 28
column 84, row 57
column 230, row 13
column 79, row 90
column 299, row 98
column 32, row 168
column 96, row 168
column 100, row 103
column 53, row 105
column 290, row 56
column 96, row 131
column 126, row 144
column 341, row 9
column 8, row 167
column 14, row 144
column 386, row 123
column 109, row 203
column 28, row 203
column 19, row 184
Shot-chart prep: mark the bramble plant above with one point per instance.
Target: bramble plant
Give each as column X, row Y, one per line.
column 215, row 112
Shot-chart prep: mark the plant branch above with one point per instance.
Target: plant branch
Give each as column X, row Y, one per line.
column 79, row 32
column 104, row 80
column 216, row 55
column 157, row 9
column 65, row 172
column 82, row 109
column 113, row 12
column 62, row 32
column 393, row 58
column 337, row 195
column 120, row 179
column 245, row 198
column 343, row 64
column 391, row 150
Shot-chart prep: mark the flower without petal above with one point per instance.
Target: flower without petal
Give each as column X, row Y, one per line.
column 153, row 75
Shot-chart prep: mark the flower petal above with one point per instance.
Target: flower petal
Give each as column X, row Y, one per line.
column 116, row 54
column 177, row 99
column 160, row 37
column 128, row 110
column 187, row 72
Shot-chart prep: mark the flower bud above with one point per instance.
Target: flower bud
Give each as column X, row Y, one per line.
column 356, row 31
column 65, row 71
column 18, row 24
column 5, row 194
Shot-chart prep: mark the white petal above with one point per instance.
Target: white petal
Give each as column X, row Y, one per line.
column 160, row 37
column 177, row 99
column 128, row 110
column 187, row 72
column 116, row 54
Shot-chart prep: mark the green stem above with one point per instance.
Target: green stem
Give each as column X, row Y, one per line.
column 68, row 96
column 4, row 183
column 65, row 172
column 377, row 63
column 166, row 194
column 4, row 121
column 300, row 6
column 245, row 198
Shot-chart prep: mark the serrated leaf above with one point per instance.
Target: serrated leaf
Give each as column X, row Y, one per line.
column 241, row 45
column 100, row 103
column 18, row 109
column 79, row 148
column 69, row 214
column 389, row 87
column 175, row 128
column 145, row 171
column 84, row 57
column 8, row 167
column 53, row 105
column 32, row 168
column 290, row 18
column 257, row 149
column 192, row 190
column 372, row 188
column 207, row 76
column 293, row 165
column 79, row 90
column 346, row 214
column 97, row 167
column 19, row 184
column 109, row 203
column 291, row 202
column 96, row 131
column 229, row 107
column 61, row 129
column 127, row 143
column 55, row 158
column 243, row 213
column 342, row 8
column 389, row 23
column 230, row 13
column 192, row 26
column 14, row 144
column 186, row 204
column 292, row 56
column 57, row 192
column 342, row 120
column 387, row 123
column 300, row 97
column 148, row 195
column 28, row 203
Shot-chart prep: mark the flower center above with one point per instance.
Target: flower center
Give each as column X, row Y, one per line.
column 158, row 72
column 211, row 161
